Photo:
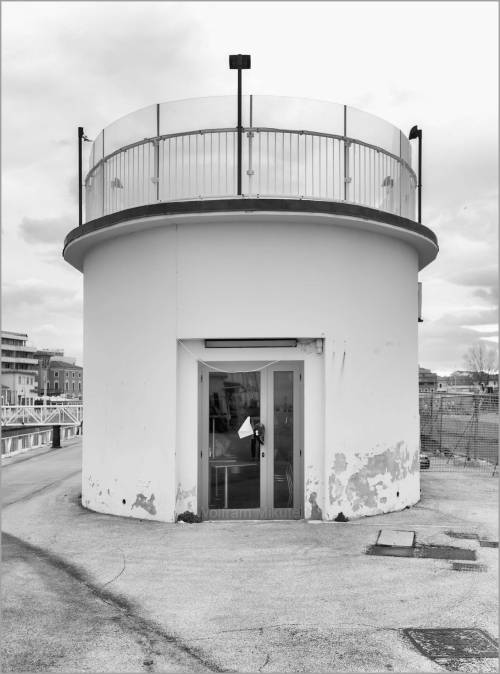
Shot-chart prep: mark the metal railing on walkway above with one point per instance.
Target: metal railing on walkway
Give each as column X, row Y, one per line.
column 41, row 415
column 17, row 444
column 459, row 431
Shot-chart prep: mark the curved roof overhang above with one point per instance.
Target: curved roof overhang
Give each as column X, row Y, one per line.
column 340, row 214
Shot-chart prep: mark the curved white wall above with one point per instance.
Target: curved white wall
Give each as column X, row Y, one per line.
column 256, row 275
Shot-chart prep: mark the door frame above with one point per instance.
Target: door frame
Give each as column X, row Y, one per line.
column 266, row 509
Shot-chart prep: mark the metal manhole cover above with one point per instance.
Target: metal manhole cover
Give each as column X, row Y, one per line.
column 422, row 552
column 453, row 642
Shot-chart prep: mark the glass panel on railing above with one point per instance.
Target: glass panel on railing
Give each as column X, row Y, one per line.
column 94, row 194
column 284, row 112
column 373, row 130
column 405, row 149
column 97, row 152
column 131, row 128
column 212, row 112
column 197, row 165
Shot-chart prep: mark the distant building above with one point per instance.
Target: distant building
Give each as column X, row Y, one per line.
column 427, row 380
column 44, row 356
column 64, row 379
column 19, row 369
column 461, row 378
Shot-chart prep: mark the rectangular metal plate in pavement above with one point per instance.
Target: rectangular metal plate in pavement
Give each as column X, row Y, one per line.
column 453, row 643
column 461, row 534
column 465, row 566
column 396, row 538
column 422, row 552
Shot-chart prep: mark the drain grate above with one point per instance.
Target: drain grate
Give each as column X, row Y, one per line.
column 460, row 534
column 453, row 643
column 488, row 544
column 422, row 551
column 463, row 566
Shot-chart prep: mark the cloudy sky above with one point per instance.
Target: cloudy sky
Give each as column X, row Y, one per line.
column 434, row 64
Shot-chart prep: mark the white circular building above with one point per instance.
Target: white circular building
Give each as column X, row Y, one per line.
column 287, row 314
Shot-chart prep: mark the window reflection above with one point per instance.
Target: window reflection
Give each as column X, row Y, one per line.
column 283, row 439
column 234, row 468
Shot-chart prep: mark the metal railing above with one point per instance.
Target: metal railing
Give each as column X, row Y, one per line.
column 16, row 444
column 276, row 163
column 459, row 431
column 39, row 415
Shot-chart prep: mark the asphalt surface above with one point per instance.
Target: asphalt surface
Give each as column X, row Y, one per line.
column 54, row 619
column 131, row 595
column 55, row 616
column 27, row 474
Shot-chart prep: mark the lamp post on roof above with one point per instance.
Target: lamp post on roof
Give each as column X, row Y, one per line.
column 415, row 132
column 239, row 62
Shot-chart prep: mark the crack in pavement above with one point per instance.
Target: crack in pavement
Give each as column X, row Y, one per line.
column 152, row 635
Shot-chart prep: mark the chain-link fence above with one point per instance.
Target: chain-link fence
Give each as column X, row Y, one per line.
column 459, row 431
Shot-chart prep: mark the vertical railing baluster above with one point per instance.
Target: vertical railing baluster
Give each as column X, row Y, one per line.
column 218, row 163
column 211, row 163
column 283, row 162
column 196, row 151
column 267, row 164
column 227, row 164
column 203, row 167
column 298, row 164
column 275, row 161
column 305, row 163
column 327, row 142
column 260, row 163
column 189, row 190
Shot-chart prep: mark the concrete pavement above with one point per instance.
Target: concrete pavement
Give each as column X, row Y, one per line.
column 276, row 596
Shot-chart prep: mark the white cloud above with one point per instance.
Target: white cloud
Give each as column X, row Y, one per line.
column 44, row 230
column 70, row 64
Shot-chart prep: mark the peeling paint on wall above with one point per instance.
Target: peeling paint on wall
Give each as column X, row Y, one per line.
column 316, row 513
column 340, row 463
column 185, row 499
column 313, row 487
column 142, row 502
column 372, row 482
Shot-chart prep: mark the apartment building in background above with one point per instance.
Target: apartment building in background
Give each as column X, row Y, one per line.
column 64, row 379
column 19, row 369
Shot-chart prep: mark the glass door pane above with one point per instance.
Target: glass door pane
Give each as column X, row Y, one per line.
column 234, row 462
column 283, row 439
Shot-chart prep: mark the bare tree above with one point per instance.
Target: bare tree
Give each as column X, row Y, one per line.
column 481, row 361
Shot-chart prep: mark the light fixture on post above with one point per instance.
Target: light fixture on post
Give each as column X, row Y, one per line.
column 415, row 132
column 239, row 62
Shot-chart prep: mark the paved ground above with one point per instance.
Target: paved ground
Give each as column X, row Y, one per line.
column 131, row 595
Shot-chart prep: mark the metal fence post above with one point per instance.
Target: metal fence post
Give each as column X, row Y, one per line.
column 441, row 424
column 56, row 437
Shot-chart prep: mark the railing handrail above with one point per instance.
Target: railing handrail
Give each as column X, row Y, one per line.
column 40, row 415
column 258, row 129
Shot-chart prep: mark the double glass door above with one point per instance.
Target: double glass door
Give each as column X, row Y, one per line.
column 251, row 441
